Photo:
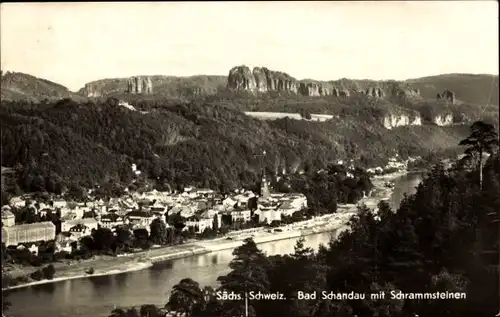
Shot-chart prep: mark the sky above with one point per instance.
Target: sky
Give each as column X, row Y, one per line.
column 75, row 43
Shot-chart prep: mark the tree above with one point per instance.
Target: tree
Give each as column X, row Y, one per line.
column 103, row 239
column 48, row 272
column 184, row 296
column 132, row 312
column 216, row 223
column 158, row 230
column 37, row 275
column 248, row 273
column 483, row 139
column 149, row 311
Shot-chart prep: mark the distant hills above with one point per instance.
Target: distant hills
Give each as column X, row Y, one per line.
column 469, row 88
column 173, row 135
column 20, row 86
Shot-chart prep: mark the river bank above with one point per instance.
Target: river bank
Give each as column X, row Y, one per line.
column 334, row 223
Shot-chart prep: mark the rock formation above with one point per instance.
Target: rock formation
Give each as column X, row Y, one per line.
column 375, row 92
column 140, row 85
column 90, row 90
column 260, row 80
column 446, row 96
column 443, row 119
column 392, row 120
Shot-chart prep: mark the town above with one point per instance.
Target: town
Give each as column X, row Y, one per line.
column 29, row 222
column 194, row 210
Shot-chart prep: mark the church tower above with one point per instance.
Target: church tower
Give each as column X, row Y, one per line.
column 264, row 187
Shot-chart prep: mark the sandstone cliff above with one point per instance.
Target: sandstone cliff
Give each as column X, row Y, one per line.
column 261, row 79
column 397, row 120
column 165, row 86
column 91, row 90
column 443, row 119
column 140, row 85
column 446, row 96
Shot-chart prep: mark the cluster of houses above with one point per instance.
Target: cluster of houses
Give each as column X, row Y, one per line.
column 198, row 207
column 394, row 164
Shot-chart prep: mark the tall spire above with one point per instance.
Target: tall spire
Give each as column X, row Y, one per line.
column 264, row 186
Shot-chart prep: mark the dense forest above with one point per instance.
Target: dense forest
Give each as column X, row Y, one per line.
column 51, row 146
column 442, row 239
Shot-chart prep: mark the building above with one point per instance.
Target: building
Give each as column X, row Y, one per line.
column 242, row 215
column 111, row 221
column 89, row 222
column 141, row 219
column 33, row 248
column 200, row 224
column 59, row 203
column 268, row 215
column 80, row 230
column 8, row 218
column 26, row 233
column 159, row 210
column 264, row 188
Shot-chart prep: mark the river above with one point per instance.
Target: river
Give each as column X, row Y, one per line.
column 97, row 296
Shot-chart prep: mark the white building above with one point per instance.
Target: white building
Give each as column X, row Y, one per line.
column 268, row 215
column 8, row 218
column 201, row 224
column 17, row 202
column 140, row 219
column 111, row 221
column 26, row 233
column 89, row 222
column 80, row 230
column 243, row 215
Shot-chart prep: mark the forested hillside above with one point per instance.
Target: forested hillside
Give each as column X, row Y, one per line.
column 191, row 143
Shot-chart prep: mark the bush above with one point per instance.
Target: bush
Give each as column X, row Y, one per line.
column 48, row 272
column 37, row 275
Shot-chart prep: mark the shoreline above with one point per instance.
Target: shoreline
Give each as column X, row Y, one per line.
column 334, row 223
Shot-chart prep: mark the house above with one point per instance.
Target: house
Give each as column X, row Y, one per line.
column 89, row 222
column 68, row 216
column 59, row 203
column 229, row 202
column 26, row 233
column 240, row 214
column 159, row 210
column 200, row 224
column 111, row 220
column 33, row 248
column 184, row 210
column 17, row 202
column 45, row 211
column 210, row 214
column 64, row 246
column 80, row 230
column 268, row 215
column 8, row 218
column 140, row 218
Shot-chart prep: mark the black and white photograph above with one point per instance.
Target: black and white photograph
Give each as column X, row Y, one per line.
column 250, row 159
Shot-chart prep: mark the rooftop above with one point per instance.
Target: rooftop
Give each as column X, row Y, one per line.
column 31, row 226
column 85, row 221
column 110, row 217
column 6, row 213
column 138, row 213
